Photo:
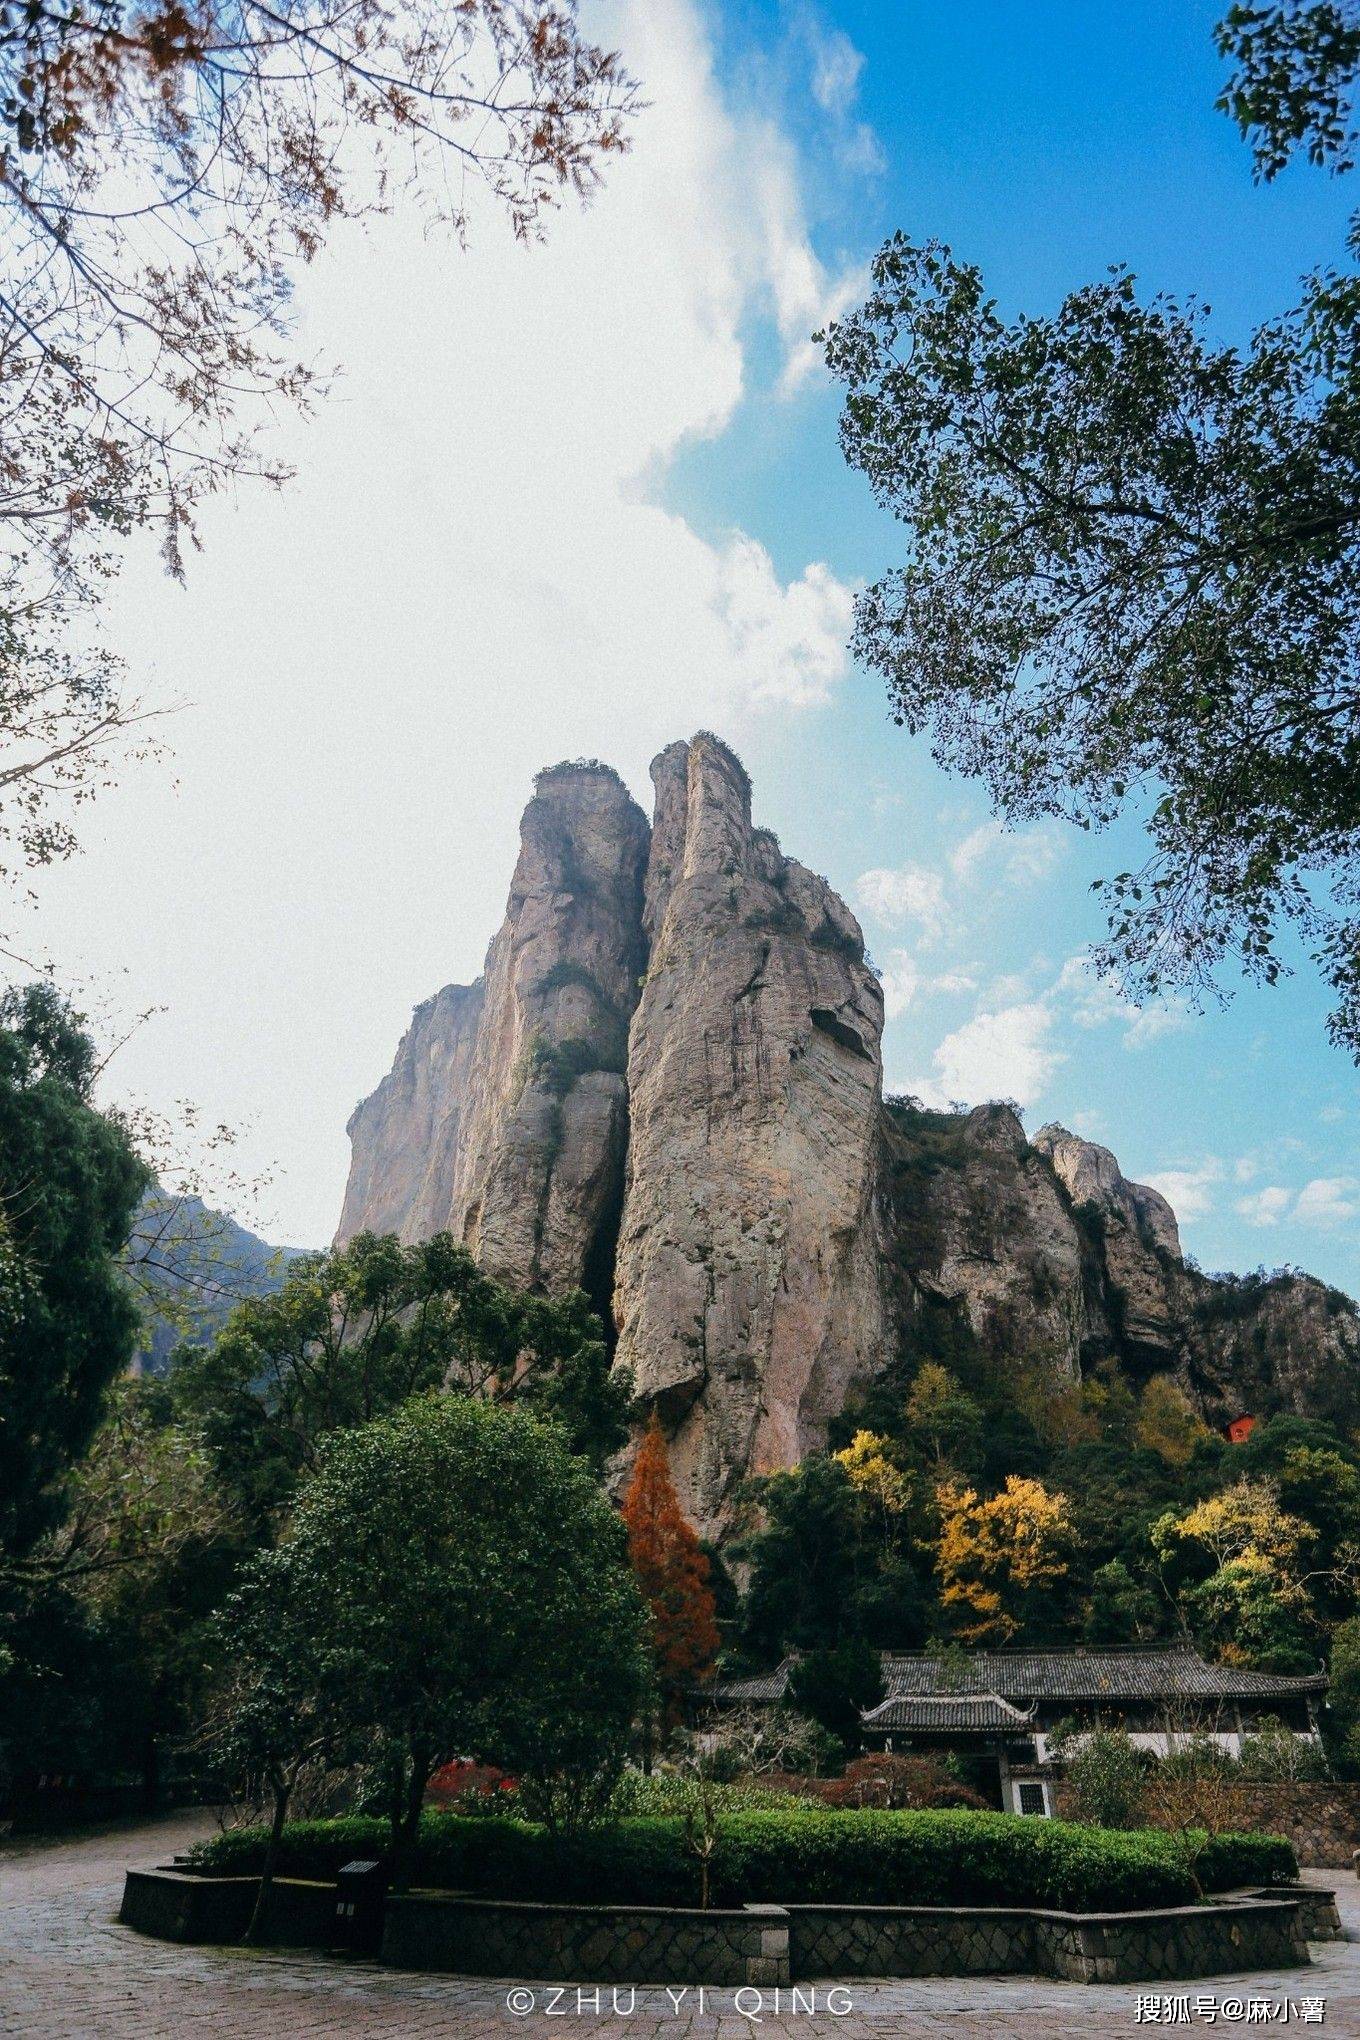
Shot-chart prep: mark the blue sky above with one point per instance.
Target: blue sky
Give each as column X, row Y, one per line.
column 586, row 499
column 1045, row 142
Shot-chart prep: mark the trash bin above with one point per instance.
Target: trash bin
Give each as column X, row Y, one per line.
column 360, row 1894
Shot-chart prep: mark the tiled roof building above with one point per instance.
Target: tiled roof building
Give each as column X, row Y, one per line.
column 1173, row 1672
column 1007, row 1704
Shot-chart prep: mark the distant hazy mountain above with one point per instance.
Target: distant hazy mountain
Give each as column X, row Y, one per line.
column 190, row 1267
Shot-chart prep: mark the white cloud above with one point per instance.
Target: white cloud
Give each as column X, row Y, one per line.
column 1189, row 1190
column 790, row 640
column 1031, row 854
column 1328, row 1201
column 1265, row 1207
column 812, row 300
column 473, row 574
column 1009, row 988
column 904, row 982
column 922, row 894
column 1024, row 855
column 1097, row 1001
column 910, row 893
column 967, row 856
column 1002, row 1054
column 835, row 68
column 901, row 983
column 1324, row 1202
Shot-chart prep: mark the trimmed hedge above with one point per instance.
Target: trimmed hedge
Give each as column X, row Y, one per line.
column 1231, row 1861
column 826, row 1857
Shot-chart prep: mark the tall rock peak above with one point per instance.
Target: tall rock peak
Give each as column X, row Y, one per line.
column 504, row 1119
column 1091, row 1175
column 666, row 1088
column 747, row 1298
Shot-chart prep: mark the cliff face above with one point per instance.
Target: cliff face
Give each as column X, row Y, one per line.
column 504, row 1118
column 404, row 1137
column 747, row 1296
column 666, row 1088
column 972, row 1216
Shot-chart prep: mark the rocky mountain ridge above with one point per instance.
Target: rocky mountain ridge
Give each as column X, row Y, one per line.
column 666, row 1088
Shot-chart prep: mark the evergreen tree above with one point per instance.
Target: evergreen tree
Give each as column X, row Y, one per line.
column 69, row 1183
column 351, row 1335
column 465, row 1590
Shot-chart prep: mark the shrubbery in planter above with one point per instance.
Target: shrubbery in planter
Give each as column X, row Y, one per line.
column 809, row 1855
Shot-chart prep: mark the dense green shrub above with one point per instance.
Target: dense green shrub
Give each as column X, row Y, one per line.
column 639, row 1793
column 1106, row 1772
column 1229, row 1861
column 811, row 1855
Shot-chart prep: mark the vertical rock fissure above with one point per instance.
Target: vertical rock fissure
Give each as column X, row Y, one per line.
column 601, row 1259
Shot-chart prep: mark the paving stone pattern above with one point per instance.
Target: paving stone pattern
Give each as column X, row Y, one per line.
column 69, row 1972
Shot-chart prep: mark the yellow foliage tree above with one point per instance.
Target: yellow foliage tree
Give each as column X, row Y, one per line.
column 1050, row 1400
column 945, row 1417
column 996, row 1553
column 1244, row 1518
column 1253, row 1608
column 868, row 1461
column 1166, row 1424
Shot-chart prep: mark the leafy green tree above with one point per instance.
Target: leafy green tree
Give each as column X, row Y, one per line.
column 148, row 1548
column 835, row 1684
column 351, row 1335
column 1132, row 558
column 1107, row 1776
column 1122, row 1609
column 276, row 1713
column 1322, row 1489
column 69, row 1182
column 469, row 1592
column 1295, row 80
column 806, row 1561
column 110, row 1610
column 1341, row 1720
column 1272, row 1441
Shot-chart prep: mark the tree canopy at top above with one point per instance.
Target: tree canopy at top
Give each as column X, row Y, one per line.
column 165, row 169
column 1133, row 558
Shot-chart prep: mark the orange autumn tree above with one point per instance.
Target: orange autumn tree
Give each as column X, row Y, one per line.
column 673, row 1572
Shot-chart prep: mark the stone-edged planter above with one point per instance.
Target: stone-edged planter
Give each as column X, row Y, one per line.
column 586, row 1943
column 179, row 1905
column 1321, row 1920
column 454, row 1934
column 1252, row 1931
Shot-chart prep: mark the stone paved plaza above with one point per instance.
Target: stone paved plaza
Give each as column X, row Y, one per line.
column 68, row 1970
